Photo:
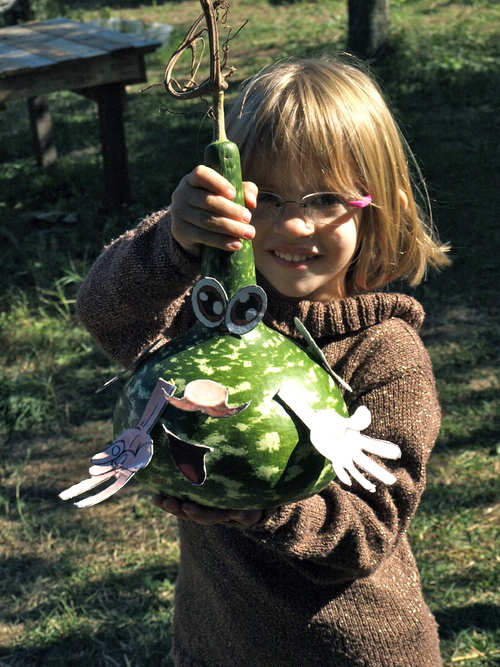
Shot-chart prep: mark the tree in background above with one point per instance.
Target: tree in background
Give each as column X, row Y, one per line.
column 367, row 27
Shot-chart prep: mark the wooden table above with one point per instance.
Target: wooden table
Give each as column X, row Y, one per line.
column 37, row 58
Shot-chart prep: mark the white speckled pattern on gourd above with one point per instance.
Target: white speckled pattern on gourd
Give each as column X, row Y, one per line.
column 261, row 457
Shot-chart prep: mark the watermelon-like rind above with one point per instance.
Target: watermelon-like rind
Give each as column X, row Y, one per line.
column 262, row 457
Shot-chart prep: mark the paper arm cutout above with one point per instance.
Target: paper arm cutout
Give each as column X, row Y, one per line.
column 318, row 354
column 339, row 440
column 130, row 452
column 133, row 449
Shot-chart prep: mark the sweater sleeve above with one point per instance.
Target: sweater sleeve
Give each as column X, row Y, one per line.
column 344, row 533
column 136, row 291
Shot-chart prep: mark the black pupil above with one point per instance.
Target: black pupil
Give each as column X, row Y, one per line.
column 326, row 201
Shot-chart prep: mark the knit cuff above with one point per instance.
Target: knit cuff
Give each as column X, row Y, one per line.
column 182, row 261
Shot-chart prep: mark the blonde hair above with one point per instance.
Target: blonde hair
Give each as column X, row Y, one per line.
column 328, row 118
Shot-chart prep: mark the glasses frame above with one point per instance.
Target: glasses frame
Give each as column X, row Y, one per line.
column 362, row 202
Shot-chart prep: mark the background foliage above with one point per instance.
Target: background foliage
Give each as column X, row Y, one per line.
column 85, row 588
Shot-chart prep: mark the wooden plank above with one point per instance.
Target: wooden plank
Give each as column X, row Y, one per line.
column 15, row 60
column 125, row 67
column 14, row 31
column 23, row 48
column 51, row 48
column 87, row 33
column 32, row 41
column 112, row 40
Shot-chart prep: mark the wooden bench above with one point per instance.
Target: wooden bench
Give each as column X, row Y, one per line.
column 38, row 58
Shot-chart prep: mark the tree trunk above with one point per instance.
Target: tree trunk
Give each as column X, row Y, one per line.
column 368, row 27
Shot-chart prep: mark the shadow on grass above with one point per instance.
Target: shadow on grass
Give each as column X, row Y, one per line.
column 441, row 498
column 106, row 648
column 116, row 619
column 468, row 617
column 126, row 596
column 476, row 580
column 481, row 437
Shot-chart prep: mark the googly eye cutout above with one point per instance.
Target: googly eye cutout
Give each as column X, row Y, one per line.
column 209, row 301
column 246, row 309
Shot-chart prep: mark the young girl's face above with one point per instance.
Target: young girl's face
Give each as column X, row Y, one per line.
column 299, row 258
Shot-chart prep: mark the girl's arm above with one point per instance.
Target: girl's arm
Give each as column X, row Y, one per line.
column 135, row 292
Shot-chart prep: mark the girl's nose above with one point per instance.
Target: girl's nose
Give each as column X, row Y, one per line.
column 292, row 222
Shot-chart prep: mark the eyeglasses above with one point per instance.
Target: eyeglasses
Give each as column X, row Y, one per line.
column 319, row 207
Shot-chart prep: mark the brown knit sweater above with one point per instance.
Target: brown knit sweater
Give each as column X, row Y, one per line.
column 326, row 582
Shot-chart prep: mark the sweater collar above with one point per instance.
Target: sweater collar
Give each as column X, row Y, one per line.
column 345, row 316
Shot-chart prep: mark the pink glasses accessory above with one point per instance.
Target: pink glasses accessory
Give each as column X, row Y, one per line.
column 361, row 203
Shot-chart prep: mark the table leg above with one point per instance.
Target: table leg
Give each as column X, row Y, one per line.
column 41, row 128
column 111, row 101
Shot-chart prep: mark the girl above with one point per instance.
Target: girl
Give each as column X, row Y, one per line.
column 329, row 581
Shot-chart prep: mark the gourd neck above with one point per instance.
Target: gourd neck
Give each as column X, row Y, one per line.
column 233, row 270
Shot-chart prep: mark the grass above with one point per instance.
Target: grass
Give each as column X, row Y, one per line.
column 80, row 588
column 83, row 588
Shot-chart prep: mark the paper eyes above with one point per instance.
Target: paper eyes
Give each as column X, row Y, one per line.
column 241, row 314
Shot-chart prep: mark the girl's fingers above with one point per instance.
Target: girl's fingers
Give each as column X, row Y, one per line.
column 207, row 516
column 246, row 517
column 195, row 237
column 250, row 191
column 203, row 212
column 206, row 219
column 208, row 179
column 202, row 202
column 197, row 228
column 170, row 505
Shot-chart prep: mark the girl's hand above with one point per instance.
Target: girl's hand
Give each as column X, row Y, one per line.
column 207, row 516
column 203, row 212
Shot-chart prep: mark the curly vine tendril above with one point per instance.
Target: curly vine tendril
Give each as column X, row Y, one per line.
column 214, row 12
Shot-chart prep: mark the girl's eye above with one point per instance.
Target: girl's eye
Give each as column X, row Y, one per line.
column 267, row 199
column 326, row 200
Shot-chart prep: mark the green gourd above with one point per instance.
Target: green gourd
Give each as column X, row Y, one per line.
column 261, row 456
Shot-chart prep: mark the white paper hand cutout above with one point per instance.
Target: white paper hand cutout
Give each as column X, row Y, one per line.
column 339, row 440
column 130, row 452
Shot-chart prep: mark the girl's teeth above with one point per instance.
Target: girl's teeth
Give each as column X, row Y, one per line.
column 293, row 258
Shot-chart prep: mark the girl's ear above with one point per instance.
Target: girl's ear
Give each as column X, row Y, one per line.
column 403, row 198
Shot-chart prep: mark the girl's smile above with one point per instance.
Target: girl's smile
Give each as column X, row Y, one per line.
column 294, row 258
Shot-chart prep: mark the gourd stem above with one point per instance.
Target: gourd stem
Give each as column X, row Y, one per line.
column 219, row 119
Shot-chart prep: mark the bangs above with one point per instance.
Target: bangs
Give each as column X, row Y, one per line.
column 293, row 125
